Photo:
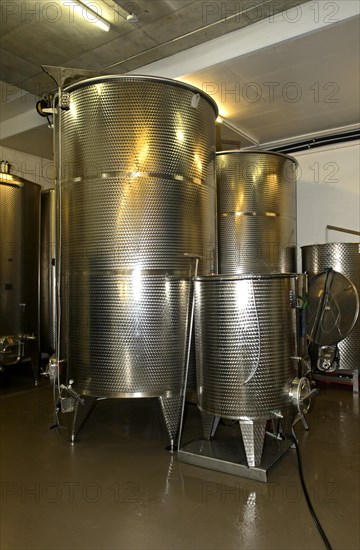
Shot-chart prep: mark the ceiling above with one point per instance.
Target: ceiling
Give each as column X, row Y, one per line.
column 279, row 70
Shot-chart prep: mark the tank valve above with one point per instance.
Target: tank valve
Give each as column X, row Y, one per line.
column 68, row 397
column 11, row 350
column 306, row 364
column 328, row 358
column 301, row 394
column 52, row 368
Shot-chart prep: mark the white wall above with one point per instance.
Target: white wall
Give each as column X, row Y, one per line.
column 30, row 167
column 328, row 193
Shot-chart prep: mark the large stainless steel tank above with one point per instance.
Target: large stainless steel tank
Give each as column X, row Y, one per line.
column 246, row 342
column 256, row 212
column 48, row 272
column 19, row 269
column 345, row 259
column 137, row 192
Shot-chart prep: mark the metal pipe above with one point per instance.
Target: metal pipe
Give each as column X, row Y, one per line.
column 340, row 229
column 191, row 324
column 303, row 137
column 235, row 128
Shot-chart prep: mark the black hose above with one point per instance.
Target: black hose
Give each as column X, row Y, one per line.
column 308, row 501
column 320, row 311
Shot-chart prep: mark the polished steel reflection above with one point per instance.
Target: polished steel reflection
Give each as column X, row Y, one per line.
column 137, row 193
column 256, row 212
column 344, row 258
column 127, row 334
column 333, row 308
column 48, row 271
column 245, row 339
column 245, row 329
column 19, row 260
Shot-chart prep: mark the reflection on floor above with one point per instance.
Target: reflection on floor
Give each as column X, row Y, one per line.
column 118, row 488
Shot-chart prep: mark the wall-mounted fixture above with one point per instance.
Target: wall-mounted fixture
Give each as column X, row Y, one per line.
column 127, row 11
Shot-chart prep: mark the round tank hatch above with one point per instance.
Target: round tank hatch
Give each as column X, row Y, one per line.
column 333, row 308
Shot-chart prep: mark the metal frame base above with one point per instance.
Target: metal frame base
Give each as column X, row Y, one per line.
column 340, row 377
column 228, row 456
column 28, row 350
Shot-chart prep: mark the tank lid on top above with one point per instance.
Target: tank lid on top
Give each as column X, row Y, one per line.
column 6, row 178
column 257, row 151
column 140, row 78
column 324, row 245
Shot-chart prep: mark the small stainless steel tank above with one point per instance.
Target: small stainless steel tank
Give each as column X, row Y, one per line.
column 48, row 272
column 246, row 342
column 137, row 193
column 19, row 269
column 256, row 212
column 345, row 259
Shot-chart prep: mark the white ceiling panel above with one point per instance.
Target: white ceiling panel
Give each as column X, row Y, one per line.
column 277, row 78
column 306, row 84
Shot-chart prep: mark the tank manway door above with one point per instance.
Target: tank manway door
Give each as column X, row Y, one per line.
column 333, row 309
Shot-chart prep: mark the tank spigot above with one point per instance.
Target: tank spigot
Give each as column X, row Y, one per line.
column 301, row 393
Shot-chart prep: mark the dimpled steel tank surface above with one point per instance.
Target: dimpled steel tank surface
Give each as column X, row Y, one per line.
column 344, row 258
column 256, row 212
column 245, row 330
column 19, row 270
column 137, row 193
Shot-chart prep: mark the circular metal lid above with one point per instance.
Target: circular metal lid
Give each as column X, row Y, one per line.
column 141, row 78
column 257, row 152
column 15, row 181
column 325, row 246
column 333, row 308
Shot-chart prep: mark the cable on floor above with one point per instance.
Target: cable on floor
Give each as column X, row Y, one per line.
column 307, row 497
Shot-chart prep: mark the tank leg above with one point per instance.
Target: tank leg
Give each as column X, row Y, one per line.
column 81, row 414
column 171, row 409
column 355, row 379
column 287, row 421
column 209, row 424
column 304, row 423
column 253, row 434
column 35, row 357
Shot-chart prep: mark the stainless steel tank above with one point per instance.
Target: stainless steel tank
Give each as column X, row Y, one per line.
column 48, row 272
column 256, row 212
column 19, row 269
column 345, row 259
column 137, row 159
column 246, row 342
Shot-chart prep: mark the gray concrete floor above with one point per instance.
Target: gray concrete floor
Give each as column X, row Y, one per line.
column 118, row 488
